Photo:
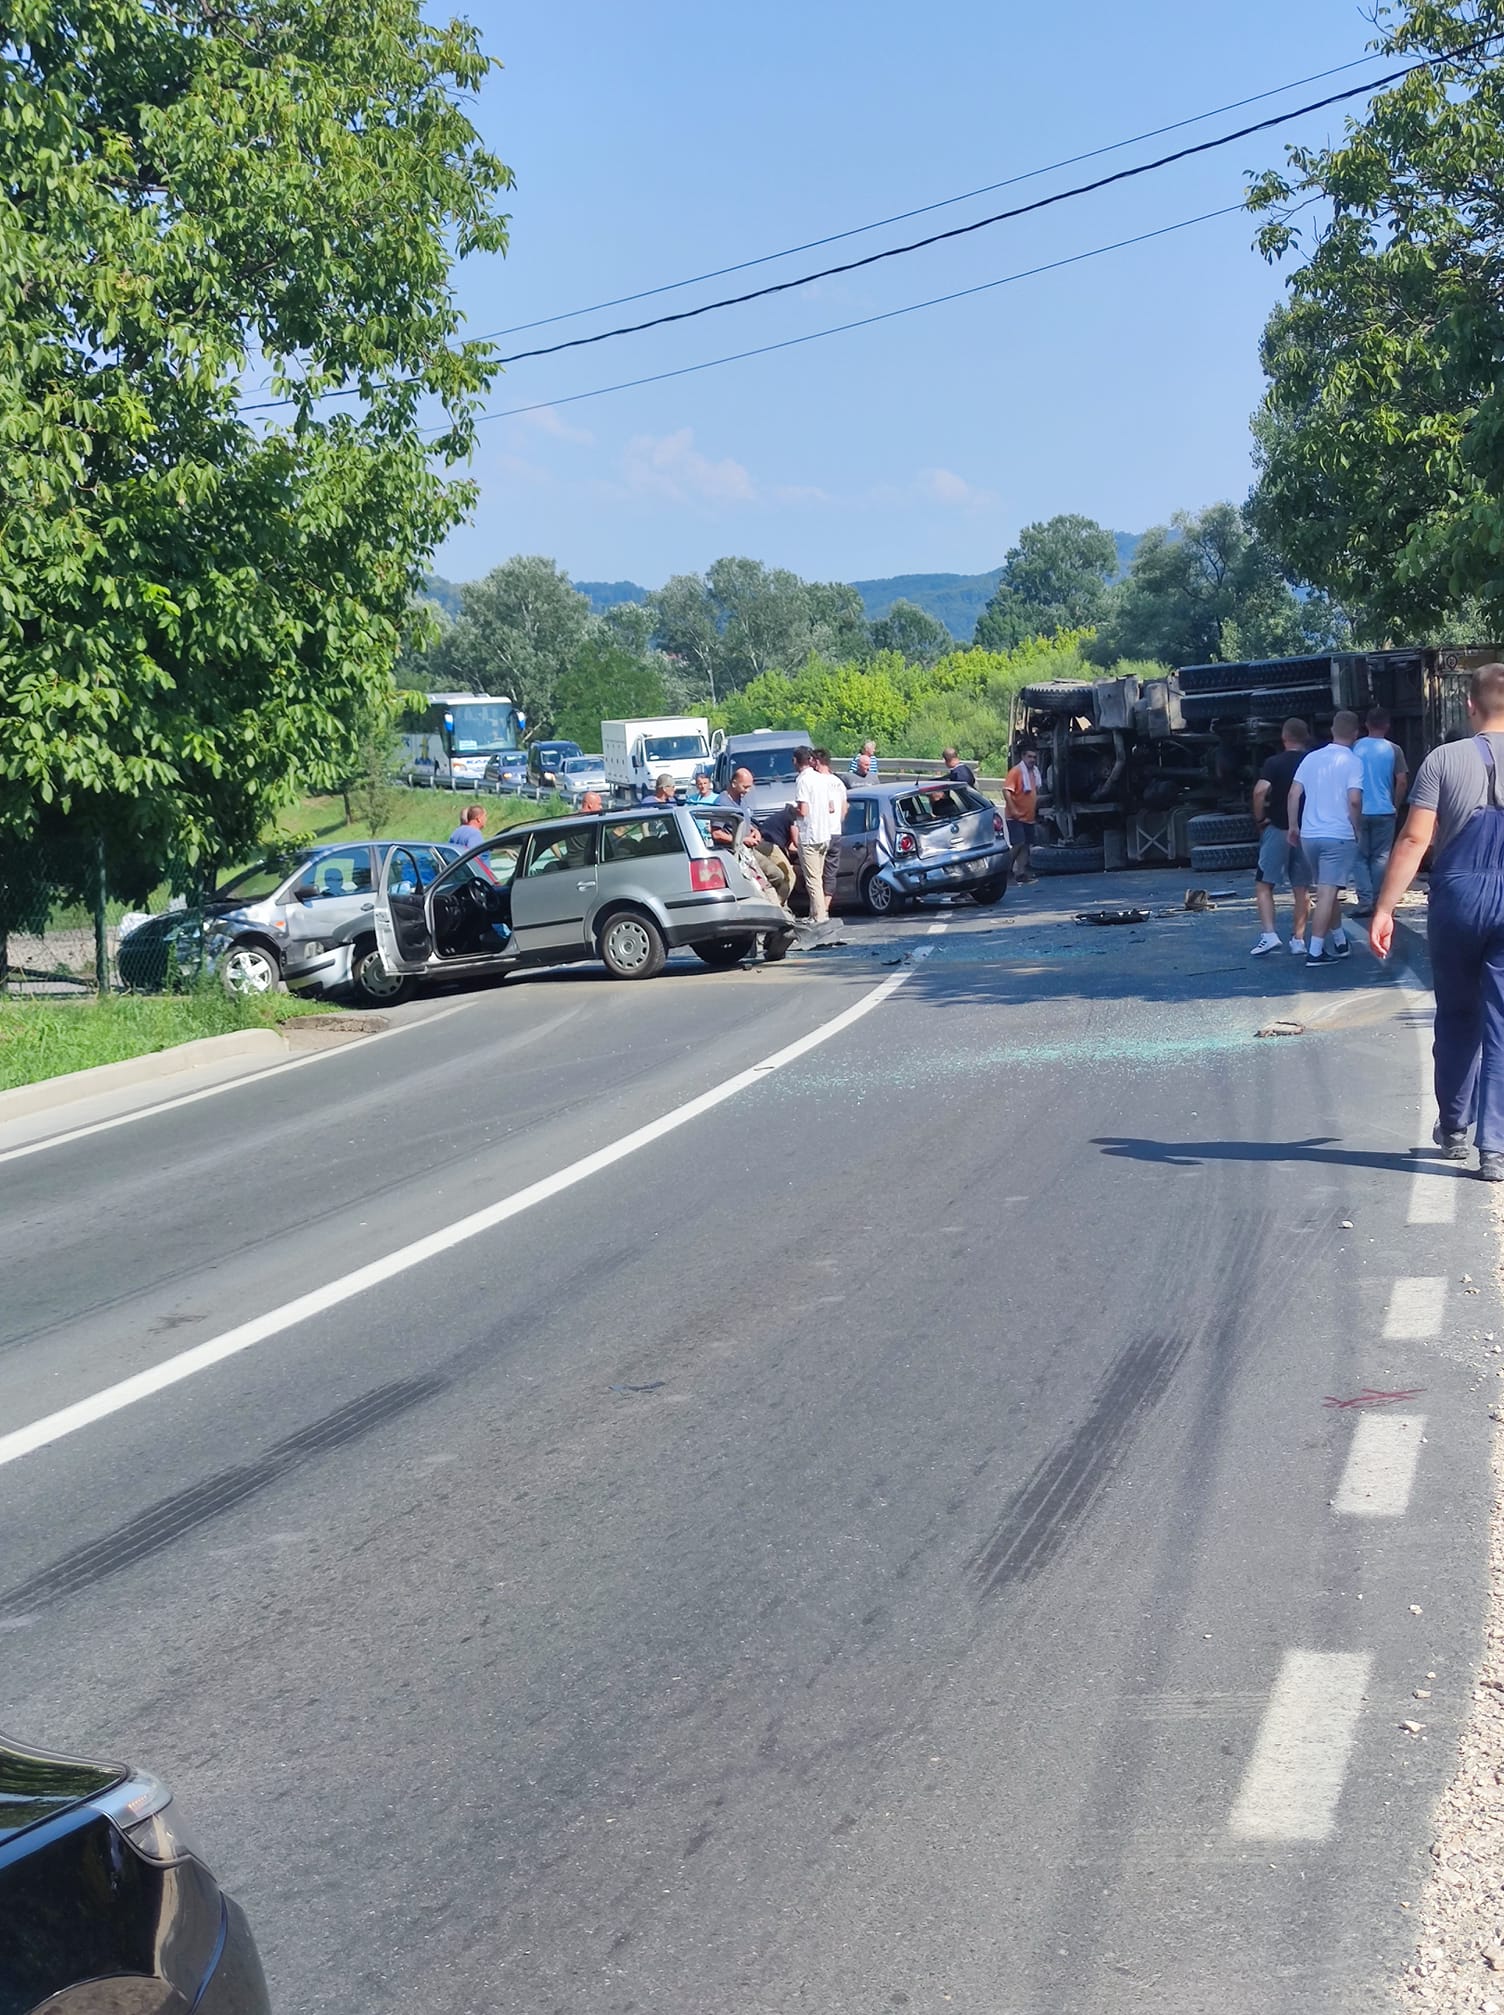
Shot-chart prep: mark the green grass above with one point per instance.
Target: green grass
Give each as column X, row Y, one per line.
column 44, row 1038
column 416, row 815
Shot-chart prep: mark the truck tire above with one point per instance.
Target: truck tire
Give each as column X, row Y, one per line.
column 1212, row 829
column 1201, row 709
column 1201, row 679
column 1212, row 860
column 1063, row 696
column 1070, row 860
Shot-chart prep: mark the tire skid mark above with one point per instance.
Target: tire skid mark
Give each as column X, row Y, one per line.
column 1045, row 1513
column 172, row 1518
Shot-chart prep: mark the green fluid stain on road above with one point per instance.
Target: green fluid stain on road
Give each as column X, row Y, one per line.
column 1145, row 1050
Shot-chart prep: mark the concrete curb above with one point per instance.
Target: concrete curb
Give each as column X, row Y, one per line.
column 24, row 1099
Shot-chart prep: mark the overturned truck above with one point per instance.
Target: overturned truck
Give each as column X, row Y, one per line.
column 1160, row 771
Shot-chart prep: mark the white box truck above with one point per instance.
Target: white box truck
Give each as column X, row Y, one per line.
column 638, row 753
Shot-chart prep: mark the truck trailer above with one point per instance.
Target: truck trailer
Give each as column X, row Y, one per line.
column 636, row 753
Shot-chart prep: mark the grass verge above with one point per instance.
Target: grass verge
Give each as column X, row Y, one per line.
column 415, row 815
column 45, row 1038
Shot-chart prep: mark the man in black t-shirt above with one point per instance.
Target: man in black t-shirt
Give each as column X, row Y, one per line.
column 1278, row 860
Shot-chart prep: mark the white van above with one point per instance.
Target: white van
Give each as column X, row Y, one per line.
column 637, row 753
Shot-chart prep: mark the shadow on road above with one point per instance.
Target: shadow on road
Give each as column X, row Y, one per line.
column 1318, row 1149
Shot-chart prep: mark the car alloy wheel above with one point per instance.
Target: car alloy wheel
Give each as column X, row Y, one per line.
column 879, row 898
column 631, row 948
column 248, row 969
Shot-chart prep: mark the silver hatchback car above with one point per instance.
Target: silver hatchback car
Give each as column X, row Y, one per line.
column 626, row 887
column 901, row 842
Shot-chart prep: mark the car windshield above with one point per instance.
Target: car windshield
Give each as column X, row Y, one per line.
column 939, row 806
column 254, row 885
column 767, row 766
column 579, row 766
column 674, row 748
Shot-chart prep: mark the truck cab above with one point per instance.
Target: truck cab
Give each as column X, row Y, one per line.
column 637, row 752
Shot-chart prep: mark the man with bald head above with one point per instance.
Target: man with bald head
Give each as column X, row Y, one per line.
column 775, row 862
column 1326, row 818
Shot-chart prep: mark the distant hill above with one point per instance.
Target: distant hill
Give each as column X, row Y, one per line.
column 603, row 595
column 957, row 599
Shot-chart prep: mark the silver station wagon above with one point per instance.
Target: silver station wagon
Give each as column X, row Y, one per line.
column 626, row 887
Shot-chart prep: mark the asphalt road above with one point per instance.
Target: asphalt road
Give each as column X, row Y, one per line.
column 881, row 1541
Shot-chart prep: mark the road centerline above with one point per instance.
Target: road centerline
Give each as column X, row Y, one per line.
column 1417, row 1307
column 244, row 1336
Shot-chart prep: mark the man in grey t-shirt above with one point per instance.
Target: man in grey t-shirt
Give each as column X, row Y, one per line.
column 1457, row 801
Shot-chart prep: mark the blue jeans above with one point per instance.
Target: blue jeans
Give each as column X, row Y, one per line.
column 1375, row 844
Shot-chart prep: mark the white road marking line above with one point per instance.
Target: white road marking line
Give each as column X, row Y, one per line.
column 1416, row 1309
column 1294, row 1776
column 230, row 1084
column 1433, row 1196
column 1380, row 1470
column 114, row 1398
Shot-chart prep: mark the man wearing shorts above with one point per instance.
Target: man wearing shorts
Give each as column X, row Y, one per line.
column 1326, row 817
column 1278, row 860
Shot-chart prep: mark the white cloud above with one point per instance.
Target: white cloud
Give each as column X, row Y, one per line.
column 671, row 466
column 545, row 420
column 944, row 486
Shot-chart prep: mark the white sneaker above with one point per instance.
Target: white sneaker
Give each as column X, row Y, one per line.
column 1266, row 944
column 1298, row 947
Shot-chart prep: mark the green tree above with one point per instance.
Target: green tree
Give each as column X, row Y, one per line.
column 1380, row 442
column 743, row 619
column 1201, row 589
column 199, row 598
column 605, row 682
column 917, row 636
column 1054, row 579
column 686, row 627
column 518, row 632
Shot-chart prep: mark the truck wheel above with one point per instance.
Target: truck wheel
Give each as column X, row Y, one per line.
column 1212, row 860
column 1221, row 829
column 1068, row 860
column 632, row 947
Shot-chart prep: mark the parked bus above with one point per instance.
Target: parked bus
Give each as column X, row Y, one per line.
column 449, row 739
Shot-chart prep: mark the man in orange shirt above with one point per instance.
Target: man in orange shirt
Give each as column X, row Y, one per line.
column 1021, row 788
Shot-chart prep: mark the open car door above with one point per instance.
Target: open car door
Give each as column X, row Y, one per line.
column 404, row 931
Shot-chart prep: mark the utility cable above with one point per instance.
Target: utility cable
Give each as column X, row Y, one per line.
column 960, row 230
column 924, row 209
column 865, row 322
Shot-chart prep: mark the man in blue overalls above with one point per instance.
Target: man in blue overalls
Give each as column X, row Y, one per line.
column 1457, row 801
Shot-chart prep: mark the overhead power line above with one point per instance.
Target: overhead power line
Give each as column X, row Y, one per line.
column 998, row 217
column 959, row 230
column 924, row 209
column 864, row 322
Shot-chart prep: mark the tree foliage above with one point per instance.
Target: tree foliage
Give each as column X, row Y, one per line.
column 517, row 633
column 1205, row 588
column 197, row 598
column 741, row 619
column 1054, row 579
column 916, row 635
column 604, row 682
column 1380, row 442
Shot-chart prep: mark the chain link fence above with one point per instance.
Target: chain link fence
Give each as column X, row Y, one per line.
column 51, row 942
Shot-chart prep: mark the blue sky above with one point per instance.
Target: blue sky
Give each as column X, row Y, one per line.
column 654, row 141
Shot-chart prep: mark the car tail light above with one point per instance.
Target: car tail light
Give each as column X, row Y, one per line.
column 999, row 825
column 143, row 1810
column 907, row 844
column 704, row 875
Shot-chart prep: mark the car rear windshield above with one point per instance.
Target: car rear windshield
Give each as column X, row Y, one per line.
column 767, row 766
column 940, row 806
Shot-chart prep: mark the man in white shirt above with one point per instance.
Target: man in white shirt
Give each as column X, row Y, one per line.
column 1326, row 817
column 822, row 807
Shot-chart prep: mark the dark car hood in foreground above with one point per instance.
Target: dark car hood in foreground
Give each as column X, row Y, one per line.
column 35, row 1786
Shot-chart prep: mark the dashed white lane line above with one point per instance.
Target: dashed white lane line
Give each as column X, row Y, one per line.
column 171, row 1371
column 1433, row 1195
column 1293, row 1782
column 1416, row 1309
column 1380, row 1470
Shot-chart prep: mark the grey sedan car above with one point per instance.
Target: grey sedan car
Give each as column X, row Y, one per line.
column 626, row 887
column 579, row 774
column 311, row 908
column 902, row 841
